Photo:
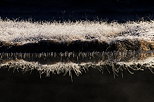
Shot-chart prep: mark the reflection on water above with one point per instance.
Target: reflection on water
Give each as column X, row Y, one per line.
column 69, row 62
column 96, row 77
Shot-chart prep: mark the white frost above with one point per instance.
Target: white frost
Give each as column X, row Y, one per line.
column 26, row 31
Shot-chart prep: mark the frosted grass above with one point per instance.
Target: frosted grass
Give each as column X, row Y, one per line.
column 115, row 62
column 26, row 31
column 78, row 69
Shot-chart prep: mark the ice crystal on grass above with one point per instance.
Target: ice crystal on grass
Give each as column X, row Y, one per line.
column 26, row 31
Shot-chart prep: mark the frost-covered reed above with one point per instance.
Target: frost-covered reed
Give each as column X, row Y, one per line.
column 26, row 31
column 115, row 62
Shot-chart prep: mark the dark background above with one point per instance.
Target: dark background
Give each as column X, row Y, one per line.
column 90, row 86
column 108, row 10
column 97, row 4
column 63, row 10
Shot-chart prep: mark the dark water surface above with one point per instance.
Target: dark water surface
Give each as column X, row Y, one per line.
column 95, row 83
